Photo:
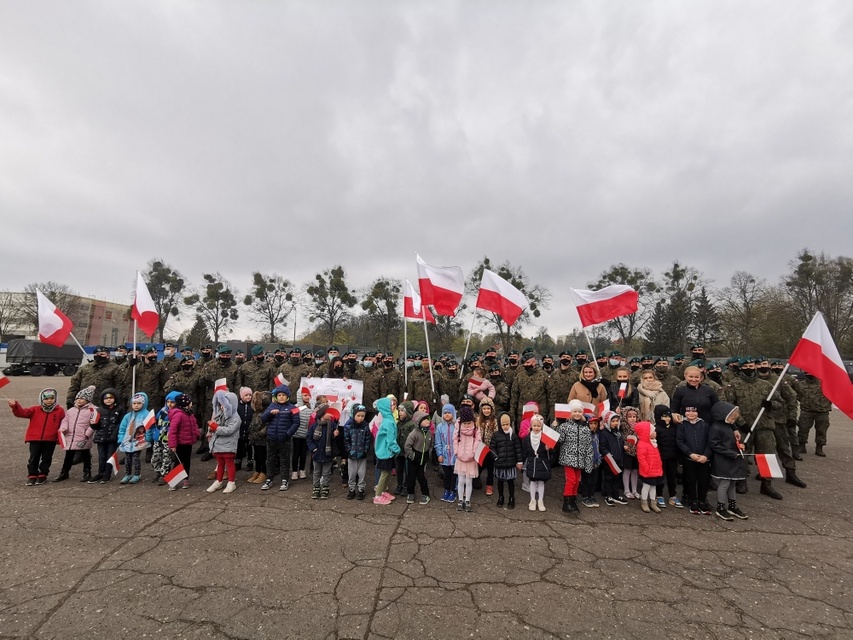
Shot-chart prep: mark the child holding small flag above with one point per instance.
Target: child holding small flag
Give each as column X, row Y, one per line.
column 630, row 468
column 575, row 454
column 508, row 458
column 158, row 437
column 41, row 435
column 321, row 444
column 183, row 434
column 77, row 433
column 106, row 422
column 537, row 462
column 611, row 447
column 465, row 437
column 727, row 463
column 131, row 435
column 224, row 433
column 445, row 450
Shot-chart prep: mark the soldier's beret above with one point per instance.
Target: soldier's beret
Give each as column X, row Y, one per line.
column 223, row 348
column 257, row 350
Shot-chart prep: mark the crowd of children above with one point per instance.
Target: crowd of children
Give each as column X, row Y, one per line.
column 619, row 455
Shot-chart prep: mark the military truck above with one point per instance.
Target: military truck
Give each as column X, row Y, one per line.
column 34, row 358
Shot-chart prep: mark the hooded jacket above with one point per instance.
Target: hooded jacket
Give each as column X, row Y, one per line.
column 76, row 426
column 386, row 436
column 357, row 439
column 282, row 425
column 321, row 440
column 183, row 428
column 444, row 443
column 419, row 440
column 610, row 442
column 227, row 432
column 726, row 461
column 131, row 432
column 404, row 427
column 108, row 420
column 667, row 443
column 648, row 456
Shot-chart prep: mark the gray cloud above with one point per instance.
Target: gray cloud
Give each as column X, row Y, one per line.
column 291, row 136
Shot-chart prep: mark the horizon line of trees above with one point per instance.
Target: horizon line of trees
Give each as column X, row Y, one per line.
column 676, row 308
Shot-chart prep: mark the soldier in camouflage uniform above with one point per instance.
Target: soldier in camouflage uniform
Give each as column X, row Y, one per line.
column 531, row 385
column 151, row 377
column 750, row 394
column 293, row 370
column 450, row 384
column 371, row 378
column 559, row 385
column 100, row 373
column 257, row 374
column 170, row 361
column 678, row 366
column 647, row 362
column 187, row 380
column 777, row 367
column 420, row 384
column 581, row 359
column 511, row 370
column 814, row 412
column 501, row 390
column 668, row 381
column 782, row 418
column 392, row 380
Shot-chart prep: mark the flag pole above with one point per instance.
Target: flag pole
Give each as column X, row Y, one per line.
column 133, row 366
column 85, row 355
column 467, row 344
column 429, row 356
column 406, row 338
column 592, row 352
column 761, row 412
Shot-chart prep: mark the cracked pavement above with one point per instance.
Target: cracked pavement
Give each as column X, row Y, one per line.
column 90, row 561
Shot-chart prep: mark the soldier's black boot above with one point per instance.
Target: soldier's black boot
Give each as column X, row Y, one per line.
column 791, row 478
column 803, row 449
column 795, row 453
column 741, row 487
column 768, row 490
column 818, row 451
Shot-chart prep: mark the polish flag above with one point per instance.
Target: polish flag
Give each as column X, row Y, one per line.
column 595, row 307
column 4, row 380
column 334, row 410
column 562, row 411
column 150, row 419
column 144, row 311
column 113, row 462
column 550, row 436
column 412, row 307
column 603, row 407
column 768, row 465
column 96, row 417
column 500, row 297
column 441, row 287
column 529, row 410
column 62, row 441
column 176, row 476
column 220, row 385
column 817, row 354
column 588, row 410
column 481, row 451
column 611, row 462
column 54, row 326
column 280, row 380
column 623, row 390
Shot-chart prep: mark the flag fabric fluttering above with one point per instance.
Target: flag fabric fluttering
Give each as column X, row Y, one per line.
column 281, row 380
column 550, row 436
column 481, row 452
column 595, row 307
column 176, row 475
column 611, row 462
column 54, row 326
column 144, row 311
column 221, row 384
column 816, row 354
column 562, row 411
column 768, row 465
column 113, row 462
column 4, row 380
column 334, row 410
column 441, row 287
column 500, row 297
column 150, row 419
column 413, row 309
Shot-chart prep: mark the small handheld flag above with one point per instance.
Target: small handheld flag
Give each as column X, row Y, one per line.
column 281, row 380
column 175, row 476
column 623, row 390
column 611, row 462
column 150, row 419
column 62, row 442
column 220, row 385
column 334, row 410
column 4, row 380
column 113, row 462
column 562, row 411
column 481, row 452
column 550, row 436
column 768, row 465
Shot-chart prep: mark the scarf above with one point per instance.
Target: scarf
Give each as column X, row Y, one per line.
column 592, row 387
column 47, row 392
column 535, row 439
column 648, row 392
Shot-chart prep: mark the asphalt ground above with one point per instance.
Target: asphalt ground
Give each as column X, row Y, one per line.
column 113, row 561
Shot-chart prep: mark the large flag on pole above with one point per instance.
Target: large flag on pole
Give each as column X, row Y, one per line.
column 412, row 307
column 817, row 354
column 595, row 307
column 54, row 326
column 144, row 311
column 500, row 297
column 441, row 287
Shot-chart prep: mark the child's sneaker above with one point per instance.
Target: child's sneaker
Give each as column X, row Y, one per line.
column 675, row 502
column 424, row 499
column 410, row 498
column 661, row 502
column 134, row 479
column 125, row 480
column 694, row 509
column 284, row 486
column 705, row 508
column 610, row 502
column 593, row 503
column 351, row 494
column 390, row 496
column 468, row 507
column 294, row 476
column 94, row 480
column 587, row 502
column 460, row 506
column 31, row 481
column 266, row 485
column 185, row 484
column 736, row 512
column 315, row 492
column 381, row 500
column 620, row 500
column 360, row 495
column 41, row 480
column 723, row 513
column 302, row 475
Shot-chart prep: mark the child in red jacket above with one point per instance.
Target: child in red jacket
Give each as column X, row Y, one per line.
column 651, row 466
column 41, row 433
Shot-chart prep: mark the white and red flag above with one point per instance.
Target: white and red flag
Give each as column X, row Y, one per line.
column 4, row 380
column 768, row 465
column 413, row 309
column 62, row 441
column 441, row 287
column 500, row 297
column 280, row 380
column 529, row 410
column 817, row 355
column 562, row 411
column 588, row 410
column 334, row 410
column 175, row 476
column 623, row 390
column 603, row 407
column 221, row 384
column 481, row 452
column 150, row 419
column 144, row 311
column 595, row 307
column 611, row 462
column 113, row 462
column 550, row 436
column 54, row 326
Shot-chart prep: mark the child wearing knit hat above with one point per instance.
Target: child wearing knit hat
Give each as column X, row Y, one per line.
column 77, row 435
column 445, row 450
column 465, row 437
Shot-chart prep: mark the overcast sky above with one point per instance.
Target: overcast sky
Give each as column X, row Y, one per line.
column 290, row 136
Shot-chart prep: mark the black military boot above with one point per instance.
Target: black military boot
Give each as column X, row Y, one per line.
column 818, row 451
column 803, row 450
column 768, row 490
column 791, row 478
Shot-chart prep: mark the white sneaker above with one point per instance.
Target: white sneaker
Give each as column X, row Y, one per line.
column 532, row 505
column 302, row 475
column 230, row 487
column 217, row 484
column 294, row 476
column 541, row 504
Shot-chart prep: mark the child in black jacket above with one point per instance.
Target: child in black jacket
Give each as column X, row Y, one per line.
column 668, row 447
column 611, row 448
column 506, row 447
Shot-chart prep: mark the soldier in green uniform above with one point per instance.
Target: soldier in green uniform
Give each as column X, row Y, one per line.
column 783, row 417
column 678, row 366
column 420, row 383
column 511, row 369
column 814, row 412
column 371, row 378
column 501, row 389
column 559, row 385
column 100, row 373
column 392, row 380
column 257, row 374
column 647, row 361
column 531, row 385
column 239, row 358
column 151, row 377
column 294, row 369
column 170, row 360
column 777, row 367
column 668, row 381
column 581, row 359
column 450, row 386
column 750, row 394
